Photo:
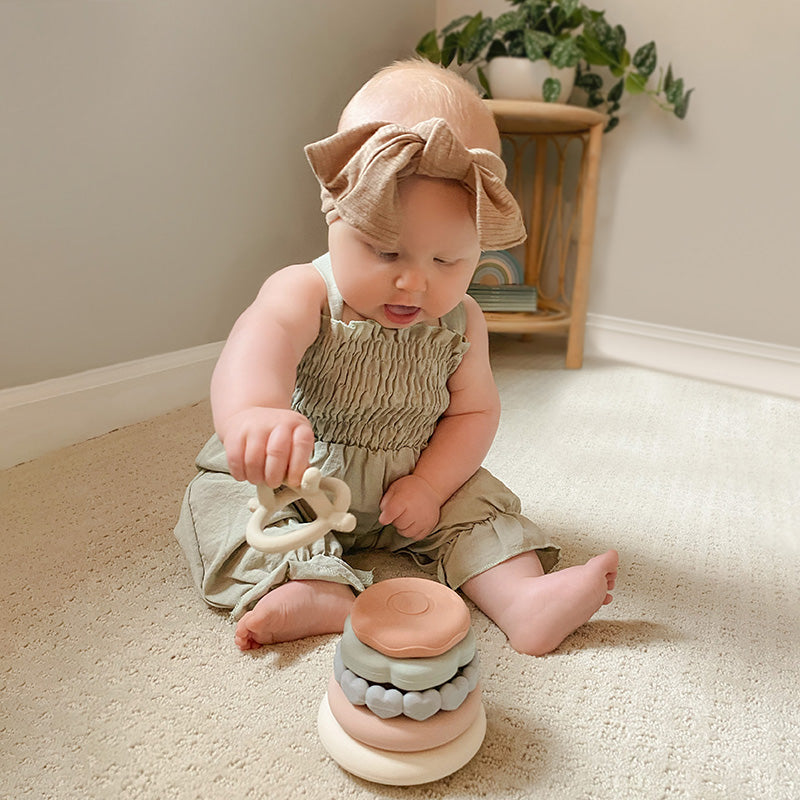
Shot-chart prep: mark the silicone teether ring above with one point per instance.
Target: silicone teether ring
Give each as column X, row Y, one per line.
column 314, row 489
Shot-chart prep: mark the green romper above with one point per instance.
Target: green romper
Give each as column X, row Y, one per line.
column 373, row 396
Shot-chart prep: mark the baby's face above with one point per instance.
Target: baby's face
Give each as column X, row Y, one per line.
column 426, row 273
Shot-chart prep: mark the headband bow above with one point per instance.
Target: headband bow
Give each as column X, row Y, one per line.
column 358, row 171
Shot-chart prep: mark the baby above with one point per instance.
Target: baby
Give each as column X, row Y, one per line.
column 372, row 364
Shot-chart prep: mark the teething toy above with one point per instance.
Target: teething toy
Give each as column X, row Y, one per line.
column 331, row 514
column 404, row 705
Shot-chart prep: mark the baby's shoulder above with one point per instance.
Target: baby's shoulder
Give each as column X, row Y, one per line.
column 299, row 275
column 300, row 284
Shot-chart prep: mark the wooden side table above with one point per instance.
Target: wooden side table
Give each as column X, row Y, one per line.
column 555, row 157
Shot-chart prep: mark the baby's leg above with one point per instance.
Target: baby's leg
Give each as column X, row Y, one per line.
column 537, row 611
column 295, row 610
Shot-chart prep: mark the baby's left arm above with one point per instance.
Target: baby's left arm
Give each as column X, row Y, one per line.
column 459, row 444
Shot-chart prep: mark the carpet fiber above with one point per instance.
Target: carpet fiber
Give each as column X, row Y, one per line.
column 117, row 682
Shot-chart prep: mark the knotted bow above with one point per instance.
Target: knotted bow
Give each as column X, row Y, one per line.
column 358, row 171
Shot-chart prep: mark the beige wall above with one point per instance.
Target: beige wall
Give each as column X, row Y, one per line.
column 696, row 223
column 151, row 164
column 151, row 170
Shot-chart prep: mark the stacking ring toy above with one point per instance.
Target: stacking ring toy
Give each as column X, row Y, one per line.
column 407, row 640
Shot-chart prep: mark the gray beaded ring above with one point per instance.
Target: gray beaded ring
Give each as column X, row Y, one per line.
column 391, row 702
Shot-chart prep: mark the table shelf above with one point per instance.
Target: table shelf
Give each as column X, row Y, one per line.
column 553, row 151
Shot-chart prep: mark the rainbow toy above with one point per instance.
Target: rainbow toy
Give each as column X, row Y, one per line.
column 498, row 268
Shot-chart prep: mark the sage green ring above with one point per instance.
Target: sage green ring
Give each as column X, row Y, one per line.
column 410, row 674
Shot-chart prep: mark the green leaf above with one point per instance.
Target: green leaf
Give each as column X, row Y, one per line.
column 479, row 41
column 515, row 44
column 621, row 63
column 620, row 36
column 534, row 12
column 470, row 31
column 428, row 47
column 669, row 79
column 449, row 48
column 589, row 82
column 616, row 41
column 603, row 32
column 536, row 44
column 484, row 82
column 456, row 24
column 595, row 100
column 645, row 59
column 615, row 94
column 509, row 21
column 682, row 106
column 635, row 83
column 551, row 89
column 593, row 50
column 496, row 48
column 565, row 53
column 675, row 91
column 570, row 6
column 612, row 123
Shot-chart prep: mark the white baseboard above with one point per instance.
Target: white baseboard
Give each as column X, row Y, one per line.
column 41, row 417
column 761, row 366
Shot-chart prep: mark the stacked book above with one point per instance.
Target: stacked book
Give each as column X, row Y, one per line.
column 510, row 297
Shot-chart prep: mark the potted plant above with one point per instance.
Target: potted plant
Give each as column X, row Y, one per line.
column 563, row 35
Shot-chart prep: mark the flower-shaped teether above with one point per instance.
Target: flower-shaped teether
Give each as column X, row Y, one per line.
column 331, row 512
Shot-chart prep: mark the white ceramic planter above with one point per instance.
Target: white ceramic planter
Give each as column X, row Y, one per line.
column 522, row 79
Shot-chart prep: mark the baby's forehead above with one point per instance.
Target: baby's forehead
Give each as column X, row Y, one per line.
column 404, row 100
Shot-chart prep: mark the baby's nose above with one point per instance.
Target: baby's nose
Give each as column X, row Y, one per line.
column 411, row 279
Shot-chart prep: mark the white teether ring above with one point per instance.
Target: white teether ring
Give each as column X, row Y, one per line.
column 331, row 514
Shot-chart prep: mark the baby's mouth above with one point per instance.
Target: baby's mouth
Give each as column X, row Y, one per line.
column 401, row 315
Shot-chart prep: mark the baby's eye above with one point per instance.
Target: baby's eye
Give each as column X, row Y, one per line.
column 385, row 255
column 442, row 261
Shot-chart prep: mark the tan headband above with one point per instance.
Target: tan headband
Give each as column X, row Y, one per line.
column 358, row 171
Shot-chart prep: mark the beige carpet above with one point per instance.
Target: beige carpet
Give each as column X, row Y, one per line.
column 117, row 682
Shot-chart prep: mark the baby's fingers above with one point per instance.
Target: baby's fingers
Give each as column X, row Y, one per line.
column 391, row 509
column 302, row 448
column 251, row 466
column 279, row 448
column 234, row 453
column 407, row 526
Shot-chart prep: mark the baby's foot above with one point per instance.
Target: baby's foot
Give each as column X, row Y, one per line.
column 295, row 610
column 550, row 607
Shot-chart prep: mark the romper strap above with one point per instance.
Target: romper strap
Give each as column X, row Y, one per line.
column 456, row 320
column 335, row 302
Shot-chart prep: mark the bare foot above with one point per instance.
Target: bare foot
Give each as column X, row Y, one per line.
column 295, row 610
column 537, row 612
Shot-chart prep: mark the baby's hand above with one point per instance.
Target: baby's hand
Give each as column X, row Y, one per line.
column 412, row 506
column 268, row 445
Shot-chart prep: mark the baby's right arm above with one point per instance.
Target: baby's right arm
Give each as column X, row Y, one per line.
column 251, row 389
